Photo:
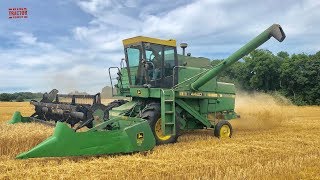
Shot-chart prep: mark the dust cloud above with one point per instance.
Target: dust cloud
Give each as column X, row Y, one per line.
column 63, row 82
column 261, row 111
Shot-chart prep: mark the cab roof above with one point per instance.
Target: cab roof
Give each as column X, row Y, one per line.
column 137, row 39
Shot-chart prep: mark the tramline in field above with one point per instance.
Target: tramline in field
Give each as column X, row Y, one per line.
column 169, row 93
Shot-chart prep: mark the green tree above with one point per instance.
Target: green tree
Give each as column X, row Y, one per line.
column 19, row 99
column 300, row 78
column 283, row 55
column 6, row 97
column 297, row 76
column 260, row 71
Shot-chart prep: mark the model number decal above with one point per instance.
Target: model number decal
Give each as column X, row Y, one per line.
column 200, row 94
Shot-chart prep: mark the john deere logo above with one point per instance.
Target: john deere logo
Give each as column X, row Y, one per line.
column 140, row 138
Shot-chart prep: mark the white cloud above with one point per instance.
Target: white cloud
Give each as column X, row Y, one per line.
column 41, row 66
column 26, row 38
column 205, row 22
column 210, row 27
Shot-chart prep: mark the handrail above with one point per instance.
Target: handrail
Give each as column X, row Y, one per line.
column 112, row 79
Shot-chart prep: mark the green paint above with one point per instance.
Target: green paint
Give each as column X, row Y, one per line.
column 98, row 116
column 194, row 113
column 17, row 118
column 117, row 111
column 203, row 103
column 187, row 75
column 144, row 92
column 66, row 142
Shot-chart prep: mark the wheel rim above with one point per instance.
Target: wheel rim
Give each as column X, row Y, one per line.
column 158, row 131
column 225, row 131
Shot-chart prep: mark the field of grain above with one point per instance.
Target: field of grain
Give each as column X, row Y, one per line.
column 270, row 141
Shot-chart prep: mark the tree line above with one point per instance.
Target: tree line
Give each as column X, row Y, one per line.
column 19, row 96
column 295, row 76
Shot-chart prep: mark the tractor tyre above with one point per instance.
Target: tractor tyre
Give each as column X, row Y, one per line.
column 223, row 129
column 152, row 113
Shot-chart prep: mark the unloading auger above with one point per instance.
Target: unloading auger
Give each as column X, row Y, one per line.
column 169, row 93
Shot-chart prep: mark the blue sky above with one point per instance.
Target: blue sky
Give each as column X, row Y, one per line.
column 69, row 44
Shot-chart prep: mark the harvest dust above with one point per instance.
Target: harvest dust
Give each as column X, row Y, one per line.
column 261, row 111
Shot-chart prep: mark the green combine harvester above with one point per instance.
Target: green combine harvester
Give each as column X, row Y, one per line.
column 169, row 93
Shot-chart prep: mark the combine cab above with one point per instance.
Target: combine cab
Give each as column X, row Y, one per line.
column 169, row 93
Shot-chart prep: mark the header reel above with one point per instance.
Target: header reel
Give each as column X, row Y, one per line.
column 84, row 110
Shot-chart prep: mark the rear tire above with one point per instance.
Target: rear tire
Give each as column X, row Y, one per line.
column 152, row 114
column 223, row 129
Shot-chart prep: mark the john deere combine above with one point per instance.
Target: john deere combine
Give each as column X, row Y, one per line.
column 169, row 93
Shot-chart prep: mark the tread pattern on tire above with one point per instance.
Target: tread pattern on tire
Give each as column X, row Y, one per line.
column 152, row 113
column 218, row 127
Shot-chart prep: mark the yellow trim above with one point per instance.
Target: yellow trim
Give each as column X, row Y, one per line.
column 212, row 95
column 158, row 131
column 225, row 131
column 138, row 39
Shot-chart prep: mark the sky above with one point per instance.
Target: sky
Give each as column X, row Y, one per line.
column 69, row 44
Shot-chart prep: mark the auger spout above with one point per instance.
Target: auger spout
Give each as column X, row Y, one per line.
column 273, row 31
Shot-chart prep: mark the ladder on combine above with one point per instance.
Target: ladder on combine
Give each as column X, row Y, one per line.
column 168, row 118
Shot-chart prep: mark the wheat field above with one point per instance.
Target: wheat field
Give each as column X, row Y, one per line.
column 270, row 141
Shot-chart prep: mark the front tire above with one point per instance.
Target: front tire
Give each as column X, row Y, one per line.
column 152, row 113
column 223, row 129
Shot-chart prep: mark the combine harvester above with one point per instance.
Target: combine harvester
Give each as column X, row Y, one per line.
column 169, row 93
